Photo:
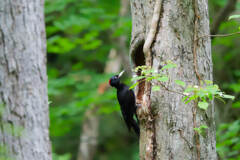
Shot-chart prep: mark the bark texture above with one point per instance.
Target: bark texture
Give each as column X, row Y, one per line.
column 180, row 23
column 23, row 80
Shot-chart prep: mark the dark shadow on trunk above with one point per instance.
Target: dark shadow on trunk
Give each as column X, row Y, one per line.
column 139, row 60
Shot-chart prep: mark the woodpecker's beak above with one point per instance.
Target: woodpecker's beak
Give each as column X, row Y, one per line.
column 120, row 74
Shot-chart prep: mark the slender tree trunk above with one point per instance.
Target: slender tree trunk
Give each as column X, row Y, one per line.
column 89, row 135
column 168, row 131
column 122, row 49
column 223, row 15
column 23, row 80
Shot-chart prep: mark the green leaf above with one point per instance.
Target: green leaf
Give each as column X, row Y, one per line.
column 190, row 99
column 137, row 78
column 203, row 105
column 150, row 78
column 155, row 88
column 228, row 96
column 236, row 104
column 208, row 82
column 203, row 127
column 181, row 83
column 235, row 87
column 163, row 79
column 198, row 130
column 189, row 89
column 134, row 85
column 234, row 16
column 61, row 157
column 213, row 89
column 184, row 98
column 168, row 66
column 148, row 71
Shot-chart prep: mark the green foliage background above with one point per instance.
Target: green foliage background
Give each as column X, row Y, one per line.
column 80, row 35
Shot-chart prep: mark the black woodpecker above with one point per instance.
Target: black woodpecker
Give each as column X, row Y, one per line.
column 126, row 100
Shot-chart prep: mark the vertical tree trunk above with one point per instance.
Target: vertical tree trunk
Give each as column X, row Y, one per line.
column 179, row 26
column 23, row 80
column 89, row 135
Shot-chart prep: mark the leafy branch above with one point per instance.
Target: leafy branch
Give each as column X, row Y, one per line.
column 148, row 74
column 201, row 94
column 204, row 94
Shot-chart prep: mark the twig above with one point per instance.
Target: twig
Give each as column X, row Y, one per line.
column 195, row 41
column 167, row 89
column 218, row 35
column 188, row 143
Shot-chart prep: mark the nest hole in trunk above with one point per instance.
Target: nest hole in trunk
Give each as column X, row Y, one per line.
column 139, row 60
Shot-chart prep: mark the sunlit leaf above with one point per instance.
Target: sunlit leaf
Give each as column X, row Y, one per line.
column 189, row 89
column 208, row 82
column 181, row 83
column 234, row 16
column 203, row 105
column 163, row 79
column 190, row 99
column 228, row 96
column 134, row 85
column 213, row 89
column 155, row 88
column 169, row 66
column 137, row 78
column 184, row 98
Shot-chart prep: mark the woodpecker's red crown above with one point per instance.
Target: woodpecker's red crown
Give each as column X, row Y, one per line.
column 115, row 80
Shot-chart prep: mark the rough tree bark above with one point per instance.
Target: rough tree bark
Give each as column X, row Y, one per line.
column 23, row 80
column 167, row 131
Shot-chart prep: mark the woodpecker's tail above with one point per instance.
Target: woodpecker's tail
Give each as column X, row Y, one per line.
column 131, row 123
column 135, row 127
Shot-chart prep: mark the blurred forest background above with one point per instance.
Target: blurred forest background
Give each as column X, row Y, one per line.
column 80, row 37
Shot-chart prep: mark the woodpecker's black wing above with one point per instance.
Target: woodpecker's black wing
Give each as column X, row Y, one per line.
column 134, row 102
column 126, row 99
column 135, row 124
